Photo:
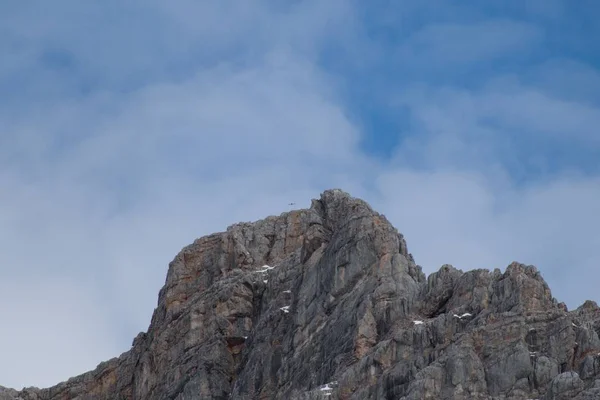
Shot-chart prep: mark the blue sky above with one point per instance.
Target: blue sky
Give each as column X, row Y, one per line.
column 128, row 129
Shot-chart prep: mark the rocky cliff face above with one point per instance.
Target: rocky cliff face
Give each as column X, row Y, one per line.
column 327, row 303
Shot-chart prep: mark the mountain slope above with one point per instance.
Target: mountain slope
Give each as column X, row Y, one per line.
column 328, row 303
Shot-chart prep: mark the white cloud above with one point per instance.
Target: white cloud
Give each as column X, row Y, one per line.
column 567, row 79
column 460, row 202
column 50, row 323
column 446, row 45
column 464, row 220
column 501, row 126
column 114, row 44
column 526, row 110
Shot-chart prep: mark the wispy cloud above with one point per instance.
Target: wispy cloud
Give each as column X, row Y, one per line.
column 451, row 45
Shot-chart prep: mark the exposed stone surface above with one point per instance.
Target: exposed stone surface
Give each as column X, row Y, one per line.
column 328, row 303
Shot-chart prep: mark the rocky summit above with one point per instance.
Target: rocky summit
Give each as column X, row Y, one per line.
column 327, row 303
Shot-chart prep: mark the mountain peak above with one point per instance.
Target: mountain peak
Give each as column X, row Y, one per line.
column 326, row 302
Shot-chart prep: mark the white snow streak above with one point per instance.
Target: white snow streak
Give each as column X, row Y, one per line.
column 327, row 388
column 465, row 315
column 265, row 268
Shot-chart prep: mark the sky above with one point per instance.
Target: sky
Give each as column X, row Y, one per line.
column 129, row 129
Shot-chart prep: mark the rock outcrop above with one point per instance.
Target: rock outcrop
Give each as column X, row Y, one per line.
column 328, row 303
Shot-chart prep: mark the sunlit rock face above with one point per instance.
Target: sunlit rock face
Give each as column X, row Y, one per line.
column 327, row 303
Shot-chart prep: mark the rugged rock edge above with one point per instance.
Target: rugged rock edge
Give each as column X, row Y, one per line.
column 327, row 302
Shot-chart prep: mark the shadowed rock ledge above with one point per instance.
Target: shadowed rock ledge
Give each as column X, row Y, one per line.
column 327, row 303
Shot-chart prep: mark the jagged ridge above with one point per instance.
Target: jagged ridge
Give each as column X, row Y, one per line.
column 343, row 312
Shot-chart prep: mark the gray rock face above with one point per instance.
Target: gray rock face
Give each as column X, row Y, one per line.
column 327, row 303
